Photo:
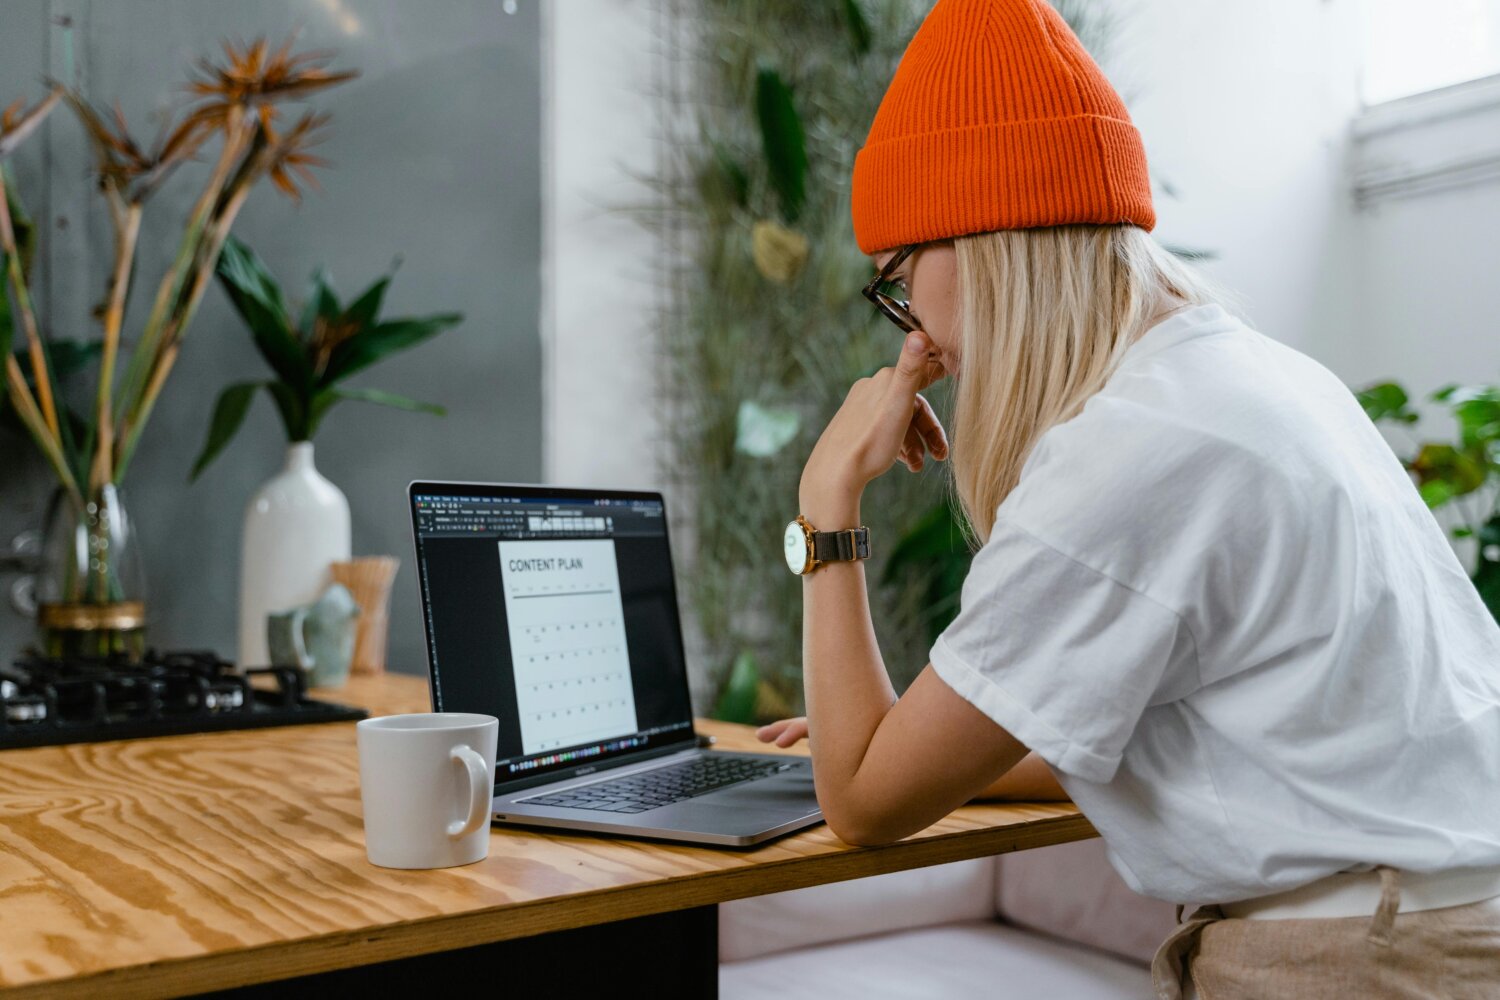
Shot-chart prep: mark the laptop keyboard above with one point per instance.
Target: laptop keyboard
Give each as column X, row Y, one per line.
column 663, row 786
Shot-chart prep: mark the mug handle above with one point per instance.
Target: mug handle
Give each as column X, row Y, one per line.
column 299, row 640
column 481, row 790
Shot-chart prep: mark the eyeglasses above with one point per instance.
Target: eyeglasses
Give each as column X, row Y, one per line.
column 898, row 311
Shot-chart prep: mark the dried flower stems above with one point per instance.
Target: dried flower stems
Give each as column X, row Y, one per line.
column 240, row 104
column 39, row 412
column 241, row 162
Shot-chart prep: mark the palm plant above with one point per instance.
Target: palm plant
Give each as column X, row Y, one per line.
column 312, row 354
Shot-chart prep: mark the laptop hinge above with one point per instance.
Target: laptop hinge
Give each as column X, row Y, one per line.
column 520, row 784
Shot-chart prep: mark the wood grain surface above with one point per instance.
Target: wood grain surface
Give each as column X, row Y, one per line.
column 180, row 864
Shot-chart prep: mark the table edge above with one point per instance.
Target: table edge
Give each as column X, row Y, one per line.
column 352, row 948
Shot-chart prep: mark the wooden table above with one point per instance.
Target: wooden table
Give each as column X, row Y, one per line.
column 182, row 864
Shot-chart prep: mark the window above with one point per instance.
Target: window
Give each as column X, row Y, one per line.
column 1411, row 46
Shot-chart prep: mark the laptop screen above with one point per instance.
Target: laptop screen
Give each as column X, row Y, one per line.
column 555, row 611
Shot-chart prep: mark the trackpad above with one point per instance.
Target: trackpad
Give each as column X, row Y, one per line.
column 786, row 793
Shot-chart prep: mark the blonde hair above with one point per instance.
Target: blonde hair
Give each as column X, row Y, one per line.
column 1044, row 317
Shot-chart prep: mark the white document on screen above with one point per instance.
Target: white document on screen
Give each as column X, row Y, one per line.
column 567, row 641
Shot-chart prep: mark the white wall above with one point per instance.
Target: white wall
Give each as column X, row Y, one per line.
column 599, row 416
column 1244, row 108
column 1429, row 238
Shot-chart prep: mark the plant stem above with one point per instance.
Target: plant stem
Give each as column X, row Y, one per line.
column 127, row 219
column 38, row 357
column 237, row 133
column 214, row 233
column 31, row 416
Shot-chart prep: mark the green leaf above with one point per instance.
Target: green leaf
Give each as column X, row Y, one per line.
column 1385, row 401
column 391, row 399
column 933, row 538
column 1478, row 419
column 371, row 345
column 762, row 431
column 783, row 140
column 289, row 403
column 325, row 399
column 729, row 171
column 1436, row 492
column 1444, row 472
column 229, row 413
column 859, row 29
column 65, row 358
column 69, row 357
column 321, row 301
column 933, row 547
column 258, row 299
column 1487, row 582
column 364, row 310
column 1487, row 569
column 322, row 401
column 737, row 700
column 23, row 227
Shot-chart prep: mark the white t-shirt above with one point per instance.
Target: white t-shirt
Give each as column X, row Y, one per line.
column 1216, row 605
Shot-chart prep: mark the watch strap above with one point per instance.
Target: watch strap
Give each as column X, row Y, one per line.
column 841, row 546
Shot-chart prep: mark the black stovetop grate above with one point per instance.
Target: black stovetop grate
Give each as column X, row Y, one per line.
column 45, row 701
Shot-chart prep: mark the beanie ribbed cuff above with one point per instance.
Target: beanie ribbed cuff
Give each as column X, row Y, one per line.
column 1003, row 175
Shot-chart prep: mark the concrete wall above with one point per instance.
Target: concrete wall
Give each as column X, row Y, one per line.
column 435, row 157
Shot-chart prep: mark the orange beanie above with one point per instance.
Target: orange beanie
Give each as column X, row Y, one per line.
column 996, row 119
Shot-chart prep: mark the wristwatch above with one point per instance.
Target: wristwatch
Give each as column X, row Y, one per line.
column 808, row 548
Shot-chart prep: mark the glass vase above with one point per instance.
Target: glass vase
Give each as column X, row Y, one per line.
column 91, row 590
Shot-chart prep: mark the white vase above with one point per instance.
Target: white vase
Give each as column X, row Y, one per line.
column 295, row 525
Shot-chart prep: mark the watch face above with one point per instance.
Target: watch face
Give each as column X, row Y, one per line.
column 795, row 544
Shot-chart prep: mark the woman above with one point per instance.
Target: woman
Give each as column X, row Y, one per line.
column 1208, row 598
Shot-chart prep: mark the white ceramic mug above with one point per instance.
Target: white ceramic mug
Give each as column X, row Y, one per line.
column 426, row 781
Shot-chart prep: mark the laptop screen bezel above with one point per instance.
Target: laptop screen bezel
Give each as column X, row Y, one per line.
column 541, row 491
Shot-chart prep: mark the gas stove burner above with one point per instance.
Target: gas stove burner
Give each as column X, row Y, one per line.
column 44, row 700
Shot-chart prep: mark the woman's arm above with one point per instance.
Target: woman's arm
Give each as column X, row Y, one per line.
column 883, row 767
column 1029, row 781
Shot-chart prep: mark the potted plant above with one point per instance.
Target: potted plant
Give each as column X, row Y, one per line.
column 1459, row 475
column 91, row 590
column 298, row 522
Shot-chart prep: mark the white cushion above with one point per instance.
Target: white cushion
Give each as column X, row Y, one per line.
column 981, row 959
column 1071, row 891
column 760, row 925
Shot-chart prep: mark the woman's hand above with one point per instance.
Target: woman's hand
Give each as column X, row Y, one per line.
column 883, row 420
column 783, row 732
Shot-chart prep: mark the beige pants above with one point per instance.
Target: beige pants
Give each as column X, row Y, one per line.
column 1451, row 953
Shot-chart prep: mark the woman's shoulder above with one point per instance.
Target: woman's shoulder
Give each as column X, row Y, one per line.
column 1160, row 452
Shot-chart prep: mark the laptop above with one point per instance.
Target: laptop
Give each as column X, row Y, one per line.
column 555, row 610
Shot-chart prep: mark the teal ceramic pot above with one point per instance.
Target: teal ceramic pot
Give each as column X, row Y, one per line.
column 318, row 637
